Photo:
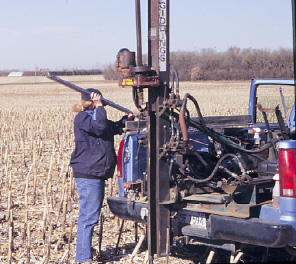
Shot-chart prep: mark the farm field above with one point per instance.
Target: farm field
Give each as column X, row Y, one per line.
column 38, row 201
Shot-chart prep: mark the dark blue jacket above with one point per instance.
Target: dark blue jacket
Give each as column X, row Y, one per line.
column 94, row 155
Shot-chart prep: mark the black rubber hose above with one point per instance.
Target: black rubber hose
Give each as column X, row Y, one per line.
column 201, row 159
column 136, row 99
column 216, row 136
column 214, row 170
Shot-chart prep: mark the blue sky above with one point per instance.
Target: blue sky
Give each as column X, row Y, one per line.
column 65, row 34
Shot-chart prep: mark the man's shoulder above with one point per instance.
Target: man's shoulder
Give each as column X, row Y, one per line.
column 81, row 116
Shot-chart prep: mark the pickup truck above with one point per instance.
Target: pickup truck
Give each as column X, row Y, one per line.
column 232, row 178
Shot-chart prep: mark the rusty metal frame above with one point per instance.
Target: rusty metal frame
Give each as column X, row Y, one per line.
column 158, row 128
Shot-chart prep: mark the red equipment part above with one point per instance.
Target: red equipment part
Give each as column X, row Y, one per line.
column 287, row 168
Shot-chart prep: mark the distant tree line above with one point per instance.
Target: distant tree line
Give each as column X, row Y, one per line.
column 233, row 64
column 77, row 72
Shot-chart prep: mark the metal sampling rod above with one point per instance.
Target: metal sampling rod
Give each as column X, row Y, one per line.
column 139, row 34
column 81, row 90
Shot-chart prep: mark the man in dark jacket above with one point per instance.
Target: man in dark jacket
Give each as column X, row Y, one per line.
column 93, row 161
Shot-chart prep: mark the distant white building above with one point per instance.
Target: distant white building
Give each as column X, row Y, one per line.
column 15, row 74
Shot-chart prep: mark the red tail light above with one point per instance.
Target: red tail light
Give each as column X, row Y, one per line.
column 119, row 159
column 287, row 168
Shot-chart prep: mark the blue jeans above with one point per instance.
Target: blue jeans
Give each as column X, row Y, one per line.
column 91, row 195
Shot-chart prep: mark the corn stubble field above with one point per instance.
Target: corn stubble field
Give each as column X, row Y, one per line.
column 39, row 203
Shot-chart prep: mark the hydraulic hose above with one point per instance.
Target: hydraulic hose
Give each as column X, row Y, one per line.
column 214, row 170
column 136, row 99
column 183, row 123
column 201, row 159
column 214, row 135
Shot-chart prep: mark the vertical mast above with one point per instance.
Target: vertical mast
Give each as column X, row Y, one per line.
column 158, row 179
column 155, row 77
